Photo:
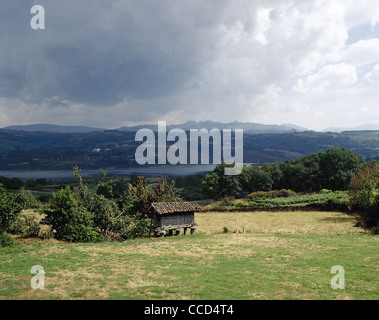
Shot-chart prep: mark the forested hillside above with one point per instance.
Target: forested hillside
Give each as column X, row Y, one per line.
column 113, row 148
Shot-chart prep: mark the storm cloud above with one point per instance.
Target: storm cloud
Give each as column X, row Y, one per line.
column 111, row 62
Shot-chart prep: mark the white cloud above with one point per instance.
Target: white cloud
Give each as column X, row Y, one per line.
column 373, row 75
column 330, row 77
column 362, row 52
column 359, row 12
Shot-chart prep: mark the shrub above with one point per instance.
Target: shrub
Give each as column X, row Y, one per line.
column 126, row 226
column 10, row 208
column 32, row 227
column 6, row 240
column 103, row 210
column 258, row 195
column 70, row 221
column 283, row 193
column 30, row 201
column 364, row 191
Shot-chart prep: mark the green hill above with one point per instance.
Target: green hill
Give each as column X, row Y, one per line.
column 116, row 149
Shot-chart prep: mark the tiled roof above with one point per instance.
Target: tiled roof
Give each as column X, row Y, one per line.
column 172, row 207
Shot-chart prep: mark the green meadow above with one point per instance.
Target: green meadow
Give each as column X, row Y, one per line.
column 232, row 255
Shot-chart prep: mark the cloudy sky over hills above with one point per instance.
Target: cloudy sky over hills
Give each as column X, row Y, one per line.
column 109, row 63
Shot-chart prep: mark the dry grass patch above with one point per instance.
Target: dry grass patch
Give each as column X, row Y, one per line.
column 286, row 222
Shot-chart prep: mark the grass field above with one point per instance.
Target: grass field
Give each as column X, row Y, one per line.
column 260, row 255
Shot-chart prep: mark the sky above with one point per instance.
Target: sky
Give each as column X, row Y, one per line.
column 110, row 63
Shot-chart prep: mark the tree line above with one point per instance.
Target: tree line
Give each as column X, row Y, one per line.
column 332, row 170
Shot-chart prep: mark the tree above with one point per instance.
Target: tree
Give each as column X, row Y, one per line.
column 210, row 185
column 310, row 178
column 142, row 195
column 218, row 185
column 337, row 168
column 364, row 191
column 253, row 178
column 10, row 208
column 293, row 175
column 112, row 188
column 12, row 184
column 275, row 171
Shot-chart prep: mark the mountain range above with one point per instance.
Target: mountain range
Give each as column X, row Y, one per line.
column 363, row 127
column 253, row 128
column 248, row 127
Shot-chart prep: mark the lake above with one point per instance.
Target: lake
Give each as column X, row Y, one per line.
column 171, row 170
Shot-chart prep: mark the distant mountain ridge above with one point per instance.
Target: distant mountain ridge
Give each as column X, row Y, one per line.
column 363, row 127
column 248, row 127
column 45, row 127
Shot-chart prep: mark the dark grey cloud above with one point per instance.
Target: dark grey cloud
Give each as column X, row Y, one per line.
column 101, row 52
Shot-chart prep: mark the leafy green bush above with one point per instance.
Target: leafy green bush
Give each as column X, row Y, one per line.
column 258, row 195
column 10, row 208
column 364, row 192
column 70, row 221
column 30, row 201
column 32, row 227
column 103, row 210
column 125, row 226
column 283, row 193
column 6, row 240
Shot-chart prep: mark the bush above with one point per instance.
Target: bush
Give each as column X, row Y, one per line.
column 125, row 226
column 364, row 192
column 70, row 221
column 81, row 229
column 103, row 210
column 32, row 227
column 258, row 195
column 283, row 193
column 30, row 201
column 6, row 240
column 10, row 208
